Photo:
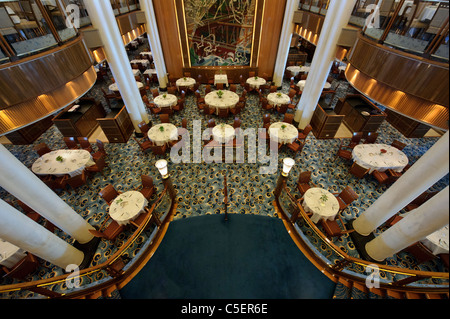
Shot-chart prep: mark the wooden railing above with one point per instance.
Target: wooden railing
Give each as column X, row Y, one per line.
column 343, row 264
column 118, row 271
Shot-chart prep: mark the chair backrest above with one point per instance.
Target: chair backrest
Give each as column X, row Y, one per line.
column 371, row 137
column 307, row 129
column 237, row 122
column 251, row 74
column 24, row 267
column 108, row 193
column 71, row 142
column 288, row 118
column 233, row 88
column 164, row 118
column 207, row 88
column 282, row 108
column 397, row 144
column 155, row 93
column 184, row 123
column 348, row 195
column 143, row 127
column 42, row 149
column 77, row 180
column 291, row 93
column 100, row 162
column 223, row 112
column 304, row 177
column 356, row 137
column 158, row 149
column 147, row 181
column 266, row 118
column 273, row 88
column 84, row 141
column 211, row 123
column 100, row 146
column 358, row 170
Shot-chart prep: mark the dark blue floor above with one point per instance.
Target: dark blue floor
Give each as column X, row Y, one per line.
column 247, row 256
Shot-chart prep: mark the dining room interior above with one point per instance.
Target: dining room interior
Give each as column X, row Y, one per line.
column 325, row 121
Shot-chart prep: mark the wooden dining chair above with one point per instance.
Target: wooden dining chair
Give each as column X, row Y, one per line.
column 71, row 142
column 100, row 150
column 345, row 197
column 237, row 123
column 335, row 228
column 343, row 152
column 42, row 149
column 355, row 140
column 144, row 127
column 164, row 118
column 288, row 118
column 159, row 149
column 296, row 146
column 207, row 110
column 371, row 138
column 109, row 231
column 155, row 92
column 109, row 193
column 358, row 171
column 304, row 182
column 223, row 112
column 144, row 145
column 147, row 189
column 77, row 180
column 85, row 144
column 219, row 86
column 56, row 183
column 304, row 134
column 98, row 167
column 420, row 252
column 397, row 144
column 24, row 267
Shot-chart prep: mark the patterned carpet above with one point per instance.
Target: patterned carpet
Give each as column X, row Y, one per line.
column 199, row 185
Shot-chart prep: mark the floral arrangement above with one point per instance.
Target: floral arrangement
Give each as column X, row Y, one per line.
column 184, row 79
column 283, row 127
column 324, row 198
column 219, row 94
column 279, row 94
column 164, row 95
column 256, row 78
column 382, row 151
column 60, row 159
column 161, row 128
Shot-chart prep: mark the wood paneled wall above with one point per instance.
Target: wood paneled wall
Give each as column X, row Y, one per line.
column 402, row 71
column 43, row 73
column 168, row 16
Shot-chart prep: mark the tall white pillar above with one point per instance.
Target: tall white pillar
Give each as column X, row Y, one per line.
column 20, row 182
column 103, row 19
column 416, row 225
column 154, row 41
column 23, row 232
column 285, row 42
column 429, row 169
column 337, row 17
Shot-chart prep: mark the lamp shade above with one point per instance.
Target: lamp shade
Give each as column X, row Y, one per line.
column 161, row 165
column 287, row 165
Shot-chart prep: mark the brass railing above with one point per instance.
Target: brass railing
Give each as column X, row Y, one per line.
column 333, row 261
column 115, row 271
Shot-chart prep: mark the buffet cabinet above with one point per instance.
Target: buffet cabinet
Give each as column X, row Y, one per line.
column 117, row 125
column 325, row 122
column 408, row 127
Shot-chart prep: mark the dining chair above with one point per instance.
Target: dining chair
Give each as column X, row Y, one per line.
column 109, row 232
column 282, row 109
column 55, row 183
column 358, row 171
column 109, row 193
column 207, row 88
column 98, row 167
column 397, row 144
column 24, row 267
column 144, row 127
column 100, row 150
column 71, row 142
column 237, row 123
column 180, row 105
column 211, row 123
column 164, row 118
column 233, row 88
column 381, row 177
column 304, row 134
column 42, row 149
column 335, row 228
column 155, row 92
column 77, row 180
column 296, row 146
column 251, row 74
column 273, row 88
column 288, row 118
column 265, row 105
column 147, row 188
column 237, row 108
column 207, row 110
column 346, row 197
column 159, row 149
column 356, row 138
column 223, row 112
column 371, row 138
column 198, row 97
column 29, row 212
column 420, row 252
column 304, row 182
column 85, row 144
column 343, row 153
column 144, row 145
column 266, row 119
column 219, row 86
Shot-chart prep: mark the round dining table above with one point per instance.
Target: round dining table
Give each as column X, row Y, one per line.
column 380, row 157
column 114, row 87
column 165, row 100
column 321, row 203
column 185, row 82
column 127, row 206
column 255, row 82
column 10, row 254
column 437, row 242
column 283, row 133
column 223, row 133
column 278, row 98
column 301, row 85
column 228, row 100
column 61, row 162
column 163, row 133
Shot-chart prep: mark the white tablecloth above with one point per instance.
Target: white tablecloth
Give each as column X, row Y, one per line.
column 114, row 87
column 223, row 133
column 136, row 72
column 228, row 100
column 256, row 82
column 283, row 136
column 320, row 209
column 127, row 206
column 150, row 71
column 146, row 53
column 10, row 254
column 275, row 99
column 74, row 161
column 170, row 133
column 221, row 78
column 188, row 82
column 301, row 85
column 294, row 69
column 168, row 101
column 437, row 242
column 370, row 156
column 144, row 62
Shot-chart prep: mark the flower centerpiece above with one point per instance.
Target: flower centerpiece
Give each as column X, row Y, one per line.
column 278, row 94
column 161, row 128
column 256, row 77
column 164, row 95
column 219, row 94
column 184, row 79
column 283, row 127
column 323, row 199
column 60, row 159
column 382, row 151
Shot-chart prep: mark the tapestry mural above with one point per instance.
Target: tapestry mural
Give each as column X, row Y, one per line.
column 219, row 32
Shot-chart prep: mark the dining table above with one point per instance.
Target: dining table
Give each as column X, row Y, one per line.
column 144, row 62
column 150, row 71
column 321, row 203
column 61, row 162
column 163, row 133
column 296, row 69
column 380, row 157
column 437, row 242
column 278, row 98
column 113, row 87
column 255, row 82
column 127, row 206
column 10, row 254
column 220, row 78
column 165, row 100
column 282, row 132
column 301, row 85
column 223, row 133
column 185, row 82
column 227, row 100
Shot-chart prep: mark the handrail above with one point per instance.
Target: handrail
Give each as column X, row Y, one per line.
column 38, row 285
column 346, row 259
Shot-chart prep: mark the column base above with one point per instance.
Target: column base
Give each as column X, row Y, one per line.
column 88, row 249
column 360, row 242
column 163, row 89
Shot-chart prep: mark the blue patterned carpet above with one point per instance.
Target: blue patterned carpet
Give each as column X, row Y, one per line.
column 199, row 185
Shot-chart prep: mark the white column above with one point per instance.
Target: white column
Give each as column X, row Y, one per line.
column 285, row 42
column 20, row 182
column 23, row 232
column 337, row 17
column 416, row 225
column 103, row 19
column 154, row 41
column 429, row 169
